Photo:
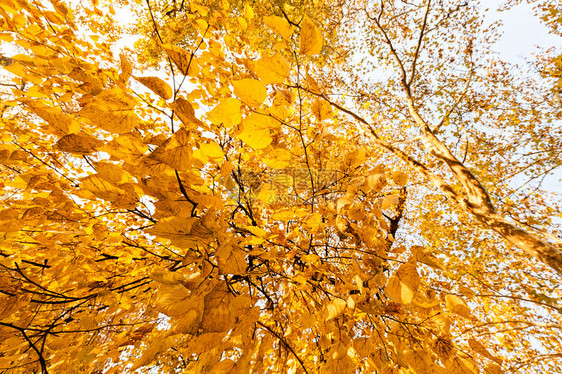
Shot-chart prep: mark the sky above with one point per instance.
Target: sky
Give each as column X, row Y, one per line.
column 523, row 33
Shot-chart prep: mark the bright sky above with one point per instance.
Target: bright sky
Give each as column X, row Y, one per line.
column 523, row 33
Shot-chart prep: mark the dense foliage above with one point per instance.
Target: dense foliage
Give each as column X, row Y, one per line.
column 291, row 186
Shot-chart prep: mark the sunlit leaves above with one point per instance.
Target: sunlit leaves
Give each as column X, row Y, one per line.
column 322, row 110
column 102, row 188
column 243, row 222
column 335, row 308
column 226, row 113
column 311, row 38
column 222, row 309
column 256, row 130
column 112, row 110
column 457, row 305
column 126, row 68
column 231, row 260
column 479, row 348
column 185, row 112
column 273, row 69
column 177, row 229
column 279, row 25
column 403, row 286
column 81, row 144
column 55, row 117
column 176, row 151
column 179, row 56
column 157, row 85
column 250, row 91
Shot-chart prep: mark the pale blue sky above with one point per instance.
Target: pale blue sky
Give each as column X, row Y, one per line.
column 522, row 31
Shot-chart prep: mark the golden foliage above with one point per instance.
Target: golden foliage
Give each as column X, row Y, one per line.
column 258, row 199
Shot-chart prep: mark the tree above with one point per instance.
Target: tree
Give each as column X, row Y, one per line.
column 312, row 187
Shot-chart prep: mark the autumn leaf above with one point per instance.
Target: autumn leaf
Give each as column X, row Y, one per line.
column 250, row 91
column 157, row 85
column 311, row 38
column 186, row 113
column 226, row 113
column 179, row 56
column 273, row 69
column 456, row 305
column 477, row 347
column 126, row 68
column 176, row 151
column 322, row 110
column 279, row 25
column 256, row 131
column 403, row 286
column 112, row 110
column 81, row 144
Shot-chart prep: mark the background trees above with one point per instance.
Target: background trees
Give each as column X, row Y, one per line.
column 297, row 186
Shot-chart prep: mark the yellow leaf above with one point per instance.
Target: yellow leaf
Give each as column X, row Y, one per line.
column 242, row 24
column 185, row 112
column 176, row 151
column 52, row 116
column 112, row 110
column 126, row 68
column 101, row 188
column 187, row 323
column 314, row 221
column 179, row 56
column 493, row 369
column 376, row 181
column 279, row 25
column 322, row 110
column 112, row 173
column 231, row 260
column 430, row 260
column 272, row 69
column 127, row 148
column 402, row 286
column 159, row 344
column 480, row 349
column 335, row 308
column 158, row 86
column 250, row 91
column 211, row 150
column 221, row 309
column 311, row 38
column 166, row 277
column 390, row 201
column 400, row 178
column 287, row 214
column 457, row 306
column 279, row 158
column 80, row 144
column 201, row 24
column 355, row 158
column 462, row 365
column 227, row 113
column 225, row 366
column 257, row 231
column 248, row 11
column 419, row 361
column 256, row 131
column 173, row 227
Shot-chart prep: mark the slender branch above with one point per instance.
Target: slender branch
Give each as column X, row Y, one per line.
column 285, row 344
column 418, row 46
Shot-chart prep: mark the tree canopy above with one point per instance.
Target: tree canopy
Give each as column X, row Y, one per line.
column 290, row 186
